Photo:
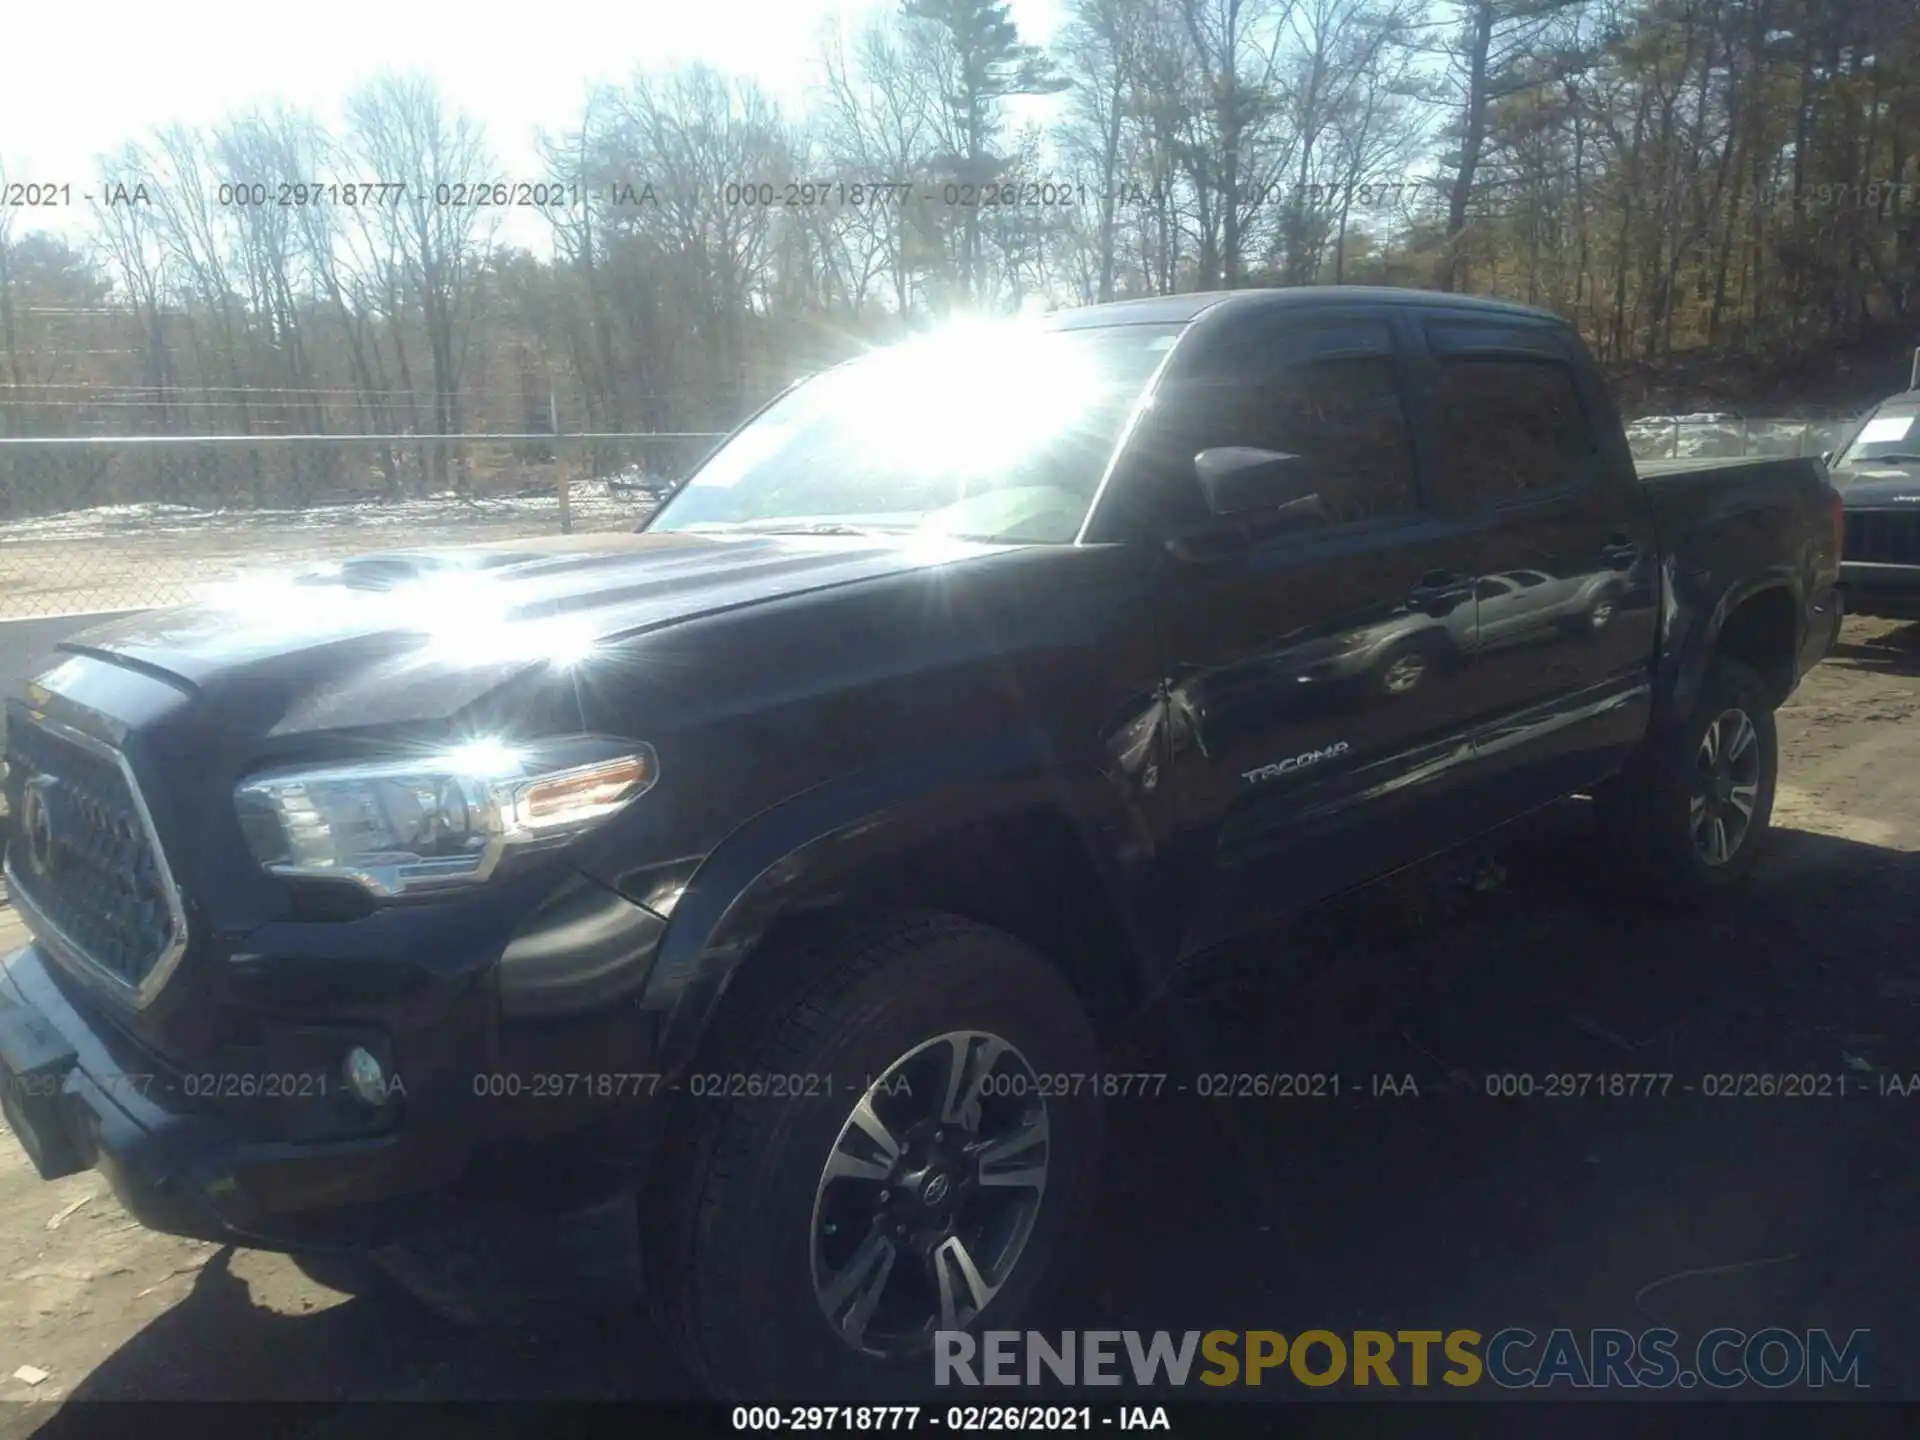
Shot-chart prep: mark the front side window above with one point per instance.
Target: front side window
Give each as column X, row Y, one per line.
column 1341, row 415
column 998, row 432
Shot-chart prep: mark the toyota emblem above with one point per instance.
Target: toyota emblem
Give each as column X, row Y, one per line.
column 36, row 824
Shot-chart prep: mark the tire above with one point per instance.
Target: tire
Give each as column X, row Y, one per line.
column 1593, row 617
column 1599, row 614
column 1649, row 812
column 1407, row 668
column 745, row 1232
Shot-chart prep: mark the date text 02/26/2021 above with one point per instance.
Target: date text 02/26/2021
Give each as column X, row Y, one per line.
column 954, row 1419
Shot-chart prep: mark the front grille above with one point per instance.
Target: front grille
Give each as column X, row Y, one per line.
column 81, row 855
column 1883, row 537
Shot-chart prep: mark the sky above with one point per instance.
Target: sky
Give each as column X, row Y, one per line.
column 78, row 81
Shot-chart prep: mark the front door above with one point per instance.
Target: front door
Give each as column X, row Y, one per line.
column 1313, row 677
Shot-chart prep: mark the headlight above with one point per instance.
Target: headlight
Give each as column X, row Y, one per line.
column 408, row 825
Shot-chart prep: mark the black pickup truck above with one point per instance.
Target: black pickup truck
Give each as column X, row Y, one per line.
column 744, row 894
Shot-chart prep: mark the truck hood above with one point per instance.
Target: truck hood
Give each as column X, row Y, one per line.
column 416, row 635
column 1873, row 486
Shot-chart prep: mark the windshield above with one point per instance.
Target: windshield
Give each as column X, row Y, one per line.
column 999, row 432
column 1890, row 435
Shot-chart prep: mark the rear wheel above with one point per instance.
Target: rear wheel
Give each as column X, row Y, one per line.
column 1692, row 813
column 914, row 1175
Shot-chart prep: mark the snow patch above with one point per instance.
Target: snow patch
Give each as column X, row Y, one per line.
column 629, row 496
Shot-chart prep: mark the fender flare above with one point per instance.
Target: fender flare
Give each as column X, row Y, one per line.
column 1698, row 643
column 753, row 877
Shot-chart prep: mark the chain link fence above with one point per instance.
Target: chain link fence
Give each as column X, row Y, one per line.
column 1720, row 436
column 95, row 524
column 90, row 526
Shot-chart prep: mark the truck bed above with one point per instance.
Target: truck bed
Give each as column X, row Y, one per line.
column 1801, row 465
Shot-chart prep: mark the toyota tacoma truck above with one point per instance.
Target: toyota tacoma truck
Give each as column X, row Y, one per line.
column 731, row 906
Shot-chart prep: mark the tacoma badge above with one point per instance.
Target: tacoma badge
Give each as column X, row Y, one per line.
column 1298, row 762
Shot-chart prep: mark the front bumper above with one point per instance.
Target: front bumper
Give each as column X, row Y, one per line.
column 77, row 1099
column 1890, row 592
column 509, row 1075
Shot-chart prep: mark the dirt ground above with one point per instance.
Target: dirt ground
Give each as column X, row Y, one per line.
column 1447, row 1209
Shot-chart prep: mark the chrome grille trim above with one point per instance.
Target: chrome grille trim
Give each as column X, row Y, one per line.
column 63, row 946
column 1883, row 537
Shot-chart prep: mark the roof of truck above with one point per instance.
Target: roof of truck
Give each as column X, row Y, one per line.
column 1179, row 309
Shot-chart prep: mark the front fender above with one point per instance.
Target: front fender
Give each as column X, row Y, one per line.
column 758, row 873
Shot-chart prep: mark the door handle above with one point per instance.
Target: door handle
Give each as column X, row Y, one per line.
column 1620, row 550
column 1439, row 587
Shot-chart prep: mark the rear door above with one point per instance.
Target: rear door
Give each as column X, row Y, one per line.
column 1313, row 672
column 1563, row 547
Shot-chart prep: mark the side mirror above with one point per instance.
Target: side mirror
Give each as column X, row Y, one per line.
column 1826, row 458
column 1237, row 478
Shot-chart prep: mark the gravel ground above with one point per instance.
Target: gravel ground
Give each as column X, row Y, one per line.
column 1442, row 1210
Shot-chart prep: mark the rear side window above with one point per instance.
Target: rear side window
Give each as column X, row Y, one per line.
column 1342, row 413
column 1510, row 429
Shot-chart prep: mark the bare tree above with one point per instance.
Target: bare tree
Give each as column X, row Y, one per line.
column 436, row 236
column 1230, row 151
column 878, row 121
column 1333, row 91
column 1102, row 59
column 720, row 152
column 983, row 62
column 1500, row 47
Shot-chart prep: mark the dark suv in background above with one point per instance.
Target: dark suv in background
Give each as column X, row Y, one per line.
column 1877, row 468
column 743, row 895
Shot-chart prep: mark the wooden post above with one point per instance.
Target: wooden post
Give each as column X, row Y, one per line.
column 560, row 465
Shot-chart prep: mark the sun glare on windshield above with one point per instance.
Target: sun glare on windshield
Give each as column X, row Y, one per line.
column 989, row 392
column 996, row 431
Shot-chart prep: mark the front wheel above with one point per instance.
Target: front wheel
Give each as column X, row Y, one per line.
column 1413, row 664
column 933, row 1142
